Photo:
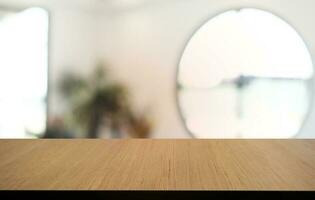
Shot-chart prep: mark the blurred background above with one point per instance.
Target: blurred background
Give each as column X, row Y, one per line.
column 157, row 69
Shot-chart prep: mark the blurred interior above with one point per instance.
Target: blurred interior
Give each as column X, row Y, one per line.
column 156, row 69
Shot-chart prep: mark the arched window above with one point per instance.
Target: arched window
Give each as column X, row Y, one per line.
column 245, row 74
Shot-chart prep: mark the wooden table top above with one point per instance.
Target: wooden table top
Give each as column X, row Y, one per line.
column 148, row 164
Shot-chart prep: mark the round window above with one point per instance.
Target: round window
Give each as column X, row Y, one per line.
column 245, row 74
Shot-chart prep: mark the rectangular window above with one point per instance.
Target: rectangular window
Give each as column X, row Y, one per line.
column 23, row 72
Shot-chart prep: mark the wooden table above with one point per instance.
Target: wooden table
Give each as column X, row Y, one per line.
column 157, row 164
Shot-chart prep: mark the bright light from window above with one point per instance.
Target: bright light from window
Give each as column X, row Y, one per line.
column 245, row 74
column 23, row 73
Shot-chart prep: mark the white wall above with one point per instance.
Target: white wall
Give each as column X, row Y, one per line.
column 144, row 44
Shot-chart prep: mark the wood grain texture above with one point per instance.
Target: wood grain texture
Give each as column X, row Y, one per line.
column 157, row 164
